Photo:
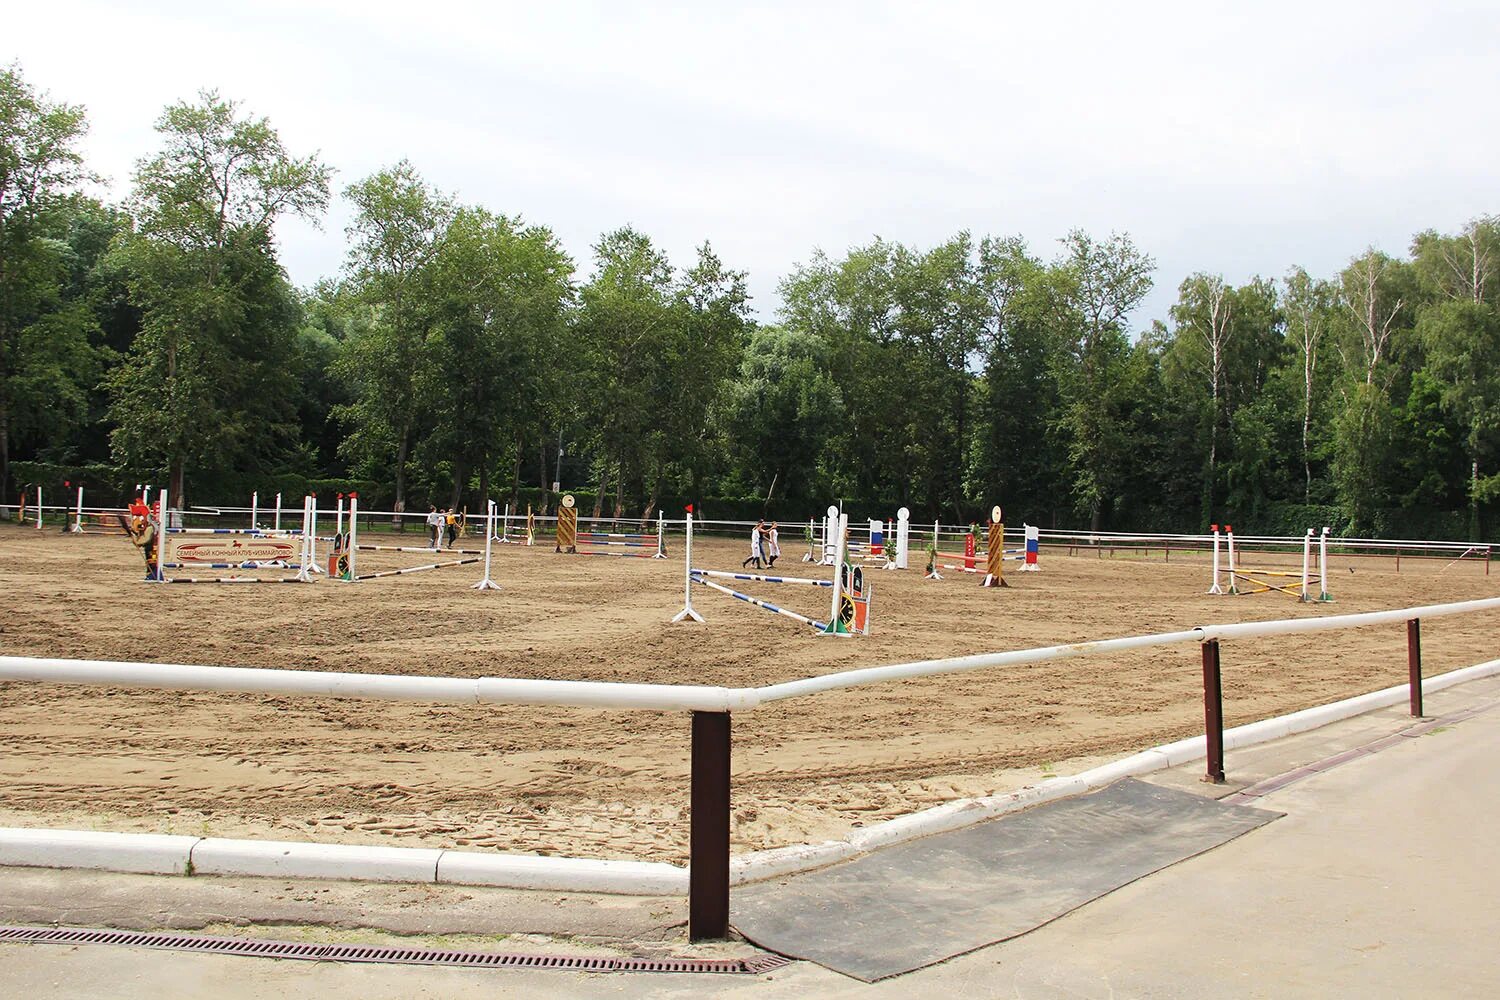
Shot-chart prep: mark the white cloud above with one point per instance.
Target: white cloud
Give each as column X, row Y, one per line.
column 1240, row 139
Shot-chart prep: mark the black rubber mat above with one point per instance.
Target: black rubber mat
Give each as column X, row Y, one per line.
column 917, row 903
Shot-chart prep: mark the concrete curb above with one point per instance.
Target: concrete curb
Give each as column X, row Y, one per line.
column 181, row 855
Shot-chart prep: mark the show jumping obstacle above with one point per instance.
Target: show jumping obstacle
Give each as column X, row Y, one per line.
column 879, row 548
column 599, row 543
column 250, row 549
column 346, row 548
column 848, row 610
column 1261, row 581
column 595, row 543
column 995, row 552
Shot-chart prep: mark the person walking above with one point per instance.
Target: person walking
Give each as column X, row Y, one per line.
column 451, row 518
column 756, row 536
column 772, row 546
column 434, row 526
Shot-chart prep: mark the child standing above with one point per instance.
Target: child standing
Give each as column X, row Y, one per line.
column 755, row 545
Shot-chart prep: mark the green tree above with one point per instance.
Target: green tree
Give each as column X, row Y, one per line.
column 200, row 382
column 1462, row 341
column 503, row 290
column 399, row 226
column 1097, row 285
column 46, row 355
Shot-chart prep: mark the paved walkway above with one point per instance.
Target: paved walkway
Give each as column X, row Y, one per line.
column 1382, row 881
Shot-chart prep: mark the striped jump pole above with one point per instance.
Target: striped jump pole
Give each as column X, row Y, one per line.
column 416, row 569
column 489, row 539
column 767, row 605
column 722, row 575
column 416, row 548
column 232, row 579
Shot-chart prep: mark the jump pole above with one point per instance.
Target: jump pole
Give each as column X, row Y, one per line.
column 1323, row 594
column 161, row 534
column 838, row 574
column 688, row 613
column 276, row 518
column 255, row 509
column 759, row 603
column 78, row 513
column 1216, row 589
column 38, row 508
column 1229, row 545
column 349, row 545
column 661, row 536
column 338, row 521
column 309, row 559
column 1306, row 559
column 489, row 538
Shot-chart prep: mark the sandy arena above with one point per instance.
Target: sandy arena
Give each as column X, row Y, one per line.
column 614, row 784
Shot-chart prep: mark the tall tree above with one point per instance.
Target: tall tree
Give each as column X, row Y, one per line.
column 201, row 262
column 1098, row 284
column 397, row 232
column 44, row 341
column 1309, row 304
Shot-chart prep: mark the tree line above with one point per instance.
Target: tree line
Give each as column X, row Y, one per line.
column 460, row 354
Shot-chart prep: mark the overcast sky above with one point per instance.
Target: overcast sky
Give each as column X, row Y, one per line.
column 1231, row 138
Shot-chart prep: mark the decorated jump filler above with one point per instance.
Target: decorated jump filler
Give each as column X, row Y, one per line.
column 994, row 551
column 567, row 525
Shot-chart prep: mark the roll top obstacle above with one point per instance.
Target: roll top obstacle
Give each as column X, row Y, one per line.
column 848, row 609
column 344, row 560
column 1242, row 579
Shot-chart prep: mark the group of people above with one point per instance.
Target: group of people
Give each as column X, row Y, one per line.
column 441, row 525
column 764, row 546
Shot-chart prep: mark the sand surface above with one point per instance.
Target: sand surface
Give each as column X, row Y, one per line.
column 614, row 784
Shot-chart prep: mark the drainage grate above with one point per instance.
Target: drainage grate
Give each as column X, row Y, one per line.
column 256, row 948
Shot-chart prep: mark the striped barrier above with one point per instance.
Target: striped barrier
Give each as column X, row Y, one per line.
column 775, row 608
column 596, row 543
column 416, row 569
column 848, row 609
column 344, row 561
column 721, row 574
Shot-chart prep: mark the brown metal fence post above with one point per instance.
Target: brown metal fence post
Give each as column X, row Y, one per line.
column 708, row 848
column 1213, row 712
column 1414, row 664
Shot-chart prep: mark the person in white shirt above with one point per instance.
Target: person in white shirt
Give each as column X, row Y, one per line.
column 755, row 545
column 434, row 526
column 773, row 545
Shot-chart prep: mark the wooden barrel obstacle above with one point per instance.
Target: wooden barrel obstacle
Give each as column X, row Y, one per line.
column 1246, row 580
column 848, row 610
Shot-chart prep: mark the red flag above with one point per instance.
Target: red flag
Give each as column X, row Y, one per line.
column 689, row 508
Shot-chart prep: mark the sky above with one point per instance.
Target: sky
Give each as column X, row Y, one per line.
column 1236, row 139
